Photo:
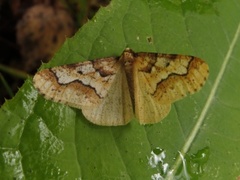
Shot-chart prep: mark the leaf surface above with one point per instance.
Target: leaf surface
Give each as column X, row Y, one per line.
column 42, row 139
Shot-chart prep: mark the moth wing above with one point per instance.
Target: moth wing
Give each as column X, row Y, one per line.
column 90, row 86
column 78, row 85
column 162, row 79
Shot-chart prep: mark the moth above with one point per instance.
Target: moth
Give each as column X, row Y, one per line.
column 110, row 90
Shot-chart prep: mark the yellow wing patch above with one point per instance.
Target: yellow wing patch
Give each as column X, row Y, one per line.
column 110, row 90
column 161, row 79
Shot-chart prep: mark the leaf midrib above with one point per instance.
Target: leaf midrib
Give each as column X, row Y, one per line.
column 206, row 107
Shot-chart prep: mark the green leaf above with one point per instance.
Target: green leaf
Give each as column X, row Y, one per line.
column 198, row 139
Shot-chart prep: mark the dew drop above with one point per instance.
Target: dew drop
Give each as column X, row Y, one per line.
column 157, row 161
column 192, row 164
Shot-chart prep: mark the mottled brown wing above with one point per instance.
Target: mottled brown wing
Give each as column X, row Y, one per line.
column 93, row 86
column 162, row 79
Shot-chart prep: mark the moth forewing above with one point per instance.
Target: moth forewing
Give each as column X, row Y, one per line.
column 164, row 80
